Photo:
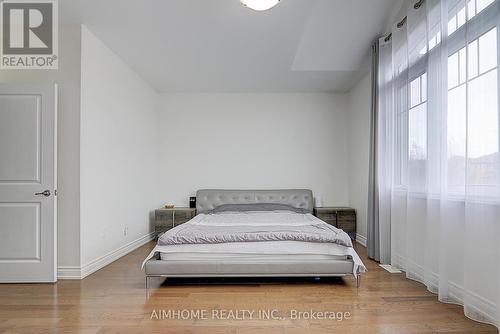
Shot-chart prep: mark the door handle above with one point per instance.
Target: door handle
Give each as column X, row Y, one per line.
column 45, row 193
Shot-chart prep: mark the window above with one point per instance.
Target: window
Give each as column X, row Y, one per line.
column 401, row 150
column 461, row 13
column 417, row 133
column 457, row 122
column 464, row 137
column 473, row 136
column 477, row 6
column 401, row 117
column 435, row 40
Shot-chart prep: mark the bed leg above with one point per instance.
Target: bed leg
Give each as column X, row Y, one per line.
column 358, row 280
column 147, row 282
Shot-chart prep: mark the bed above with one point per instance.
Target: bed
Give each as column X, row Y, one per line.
column 254, row 233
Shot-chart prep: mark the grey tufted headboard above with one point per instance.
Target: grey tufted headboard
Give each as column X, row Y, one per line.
column 209, row 199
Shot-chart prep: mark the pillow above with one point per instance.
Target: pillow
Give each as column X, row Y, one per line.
column 257, row 207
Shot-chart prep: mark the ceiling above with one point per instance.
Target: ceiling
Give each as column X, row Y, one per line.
column 221, row 46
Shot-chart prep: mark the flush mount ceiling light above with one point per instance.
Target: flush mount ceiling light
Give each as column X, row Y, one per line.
column 260, row 5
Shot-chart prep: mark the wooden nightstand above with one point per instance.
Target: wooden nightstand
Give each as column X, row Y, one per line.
column 340, row 217
column 165, row 219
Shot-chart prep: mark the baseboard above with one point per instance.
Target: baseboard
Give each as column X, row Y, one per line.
column 390, row 269
column 360, row 239
column 483, row 309
column 67, row 272
column 419, row 274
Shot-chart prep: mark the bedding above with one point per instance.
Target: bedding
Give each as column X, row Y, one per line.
column 254, row 226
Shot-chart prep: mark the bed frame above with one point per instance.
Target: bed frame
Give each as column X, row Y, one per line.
column 207, row 200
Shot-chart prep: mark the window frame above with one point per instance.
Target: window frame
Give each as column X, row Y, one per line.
column 473, row 28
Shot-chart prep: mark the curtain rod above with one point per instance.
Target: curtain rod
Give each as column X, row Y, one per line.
column 417, row 5
column 401, row 23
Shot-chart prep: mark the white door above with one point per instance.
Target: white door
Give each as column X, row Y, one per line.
column 27, row 183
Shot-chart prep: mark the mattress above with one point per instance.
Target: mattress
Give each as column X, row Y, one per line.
column 255, row 251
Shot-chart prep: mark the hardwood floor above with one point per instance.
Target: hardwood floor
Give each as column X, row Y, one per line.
column 113, row 300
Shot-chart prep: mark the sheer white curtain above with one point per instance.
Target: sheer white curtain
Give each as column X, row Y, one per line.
column 442, row 137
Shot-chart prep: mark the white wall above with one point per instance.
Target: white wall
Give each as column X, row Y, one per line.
column 130, row 159
column 359, row 100
column 68, row 79
column 250, row 141
column 118, row 153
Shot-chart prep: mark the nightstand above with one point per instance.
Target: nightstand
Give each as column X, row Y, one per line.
column 165, row 219
column 340, row 217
